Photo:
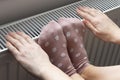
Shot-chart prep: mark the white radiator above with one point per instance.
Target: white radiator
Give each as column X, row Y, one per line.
column 99, row 52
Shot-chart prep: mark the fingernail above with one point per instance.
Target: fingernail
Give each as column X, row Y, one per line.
column 10, row 33
column 7, row 43
column 79, row 6
column 6, row 36
column 84, row 21
column 77, row 9
column 18, row 32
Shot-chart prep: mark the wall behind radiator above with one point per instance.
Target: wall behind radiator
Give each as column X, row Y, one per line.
column 12, row 10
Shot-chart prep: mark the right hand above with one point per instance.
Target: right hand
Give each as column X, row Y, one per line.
column 102, row 26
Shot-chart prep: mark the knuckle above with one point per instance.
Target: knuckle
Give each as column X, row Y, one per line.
column 84, row 15
column 13, row 49
column 27, row 37
column 18, row 45
column 96, row 21
column 15, row 42
column 22, row 51
column 99, row 32
column 19, row 58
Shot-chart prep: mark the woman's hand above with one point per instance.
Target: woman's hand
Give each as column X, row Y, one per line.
column 100, row 24
column 32, row 57
column 27, row 52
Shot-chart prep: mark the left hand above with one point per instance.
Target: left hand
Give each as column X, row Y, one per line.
column 27, row 52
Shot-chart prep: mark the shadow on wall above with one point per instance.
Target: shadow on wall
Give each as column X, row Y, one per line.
column 12, row 10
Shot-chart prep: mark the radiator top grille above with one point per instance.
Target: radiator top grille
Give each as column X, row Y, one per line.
column 33, row 25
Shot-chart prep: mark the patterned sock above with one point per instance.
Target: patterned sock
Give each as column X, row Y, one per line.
column 53, row 41
column 74, row 31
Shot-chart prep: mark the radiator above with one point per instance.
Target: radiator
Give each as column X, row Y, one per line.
column 100, row 53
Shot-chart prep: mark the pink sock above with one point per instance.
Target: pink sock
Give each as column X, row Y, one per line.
column 74, row 31
column 53, row 41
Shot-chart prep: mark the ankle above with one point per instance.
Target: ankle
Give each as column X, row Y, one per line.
column 76, row 76
column 87, row 73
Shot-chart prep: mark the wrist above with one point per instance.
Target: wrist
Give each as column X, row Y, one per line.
column 116, row 37
column 51, row 72
column 43, row 70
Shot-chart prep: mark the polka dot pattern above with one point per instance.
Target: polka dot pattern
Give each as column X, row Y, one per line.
column 64, row 45
column 62, row 54
column 77, row 55
column 60, row 65
column 74, row 32
column 47, row 44
column 75, row 40
column 85, row 57
column 68, row 34
column 54, row 44
column 57, row 38
column 54, row 49
column 81, row 45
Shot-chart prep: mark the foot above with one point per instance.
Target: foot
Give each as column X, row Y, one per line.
column 53, row 41
column 74, row 31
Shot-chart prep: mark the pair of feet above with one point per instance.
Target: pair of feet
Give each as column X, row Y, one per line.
column 63, row 42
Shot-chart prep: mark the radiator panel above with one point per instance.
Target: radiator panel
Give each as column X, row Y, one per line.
column 99, row 52
column 40, row 20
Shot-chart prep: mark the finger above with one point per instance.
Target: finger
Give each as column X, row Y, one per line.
column 14, row 51
column 18, row 37
column 88, row 10
column 84, row 15
column 90, row 26
column 14, row 42
column 94, row 12
column 26, row 37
